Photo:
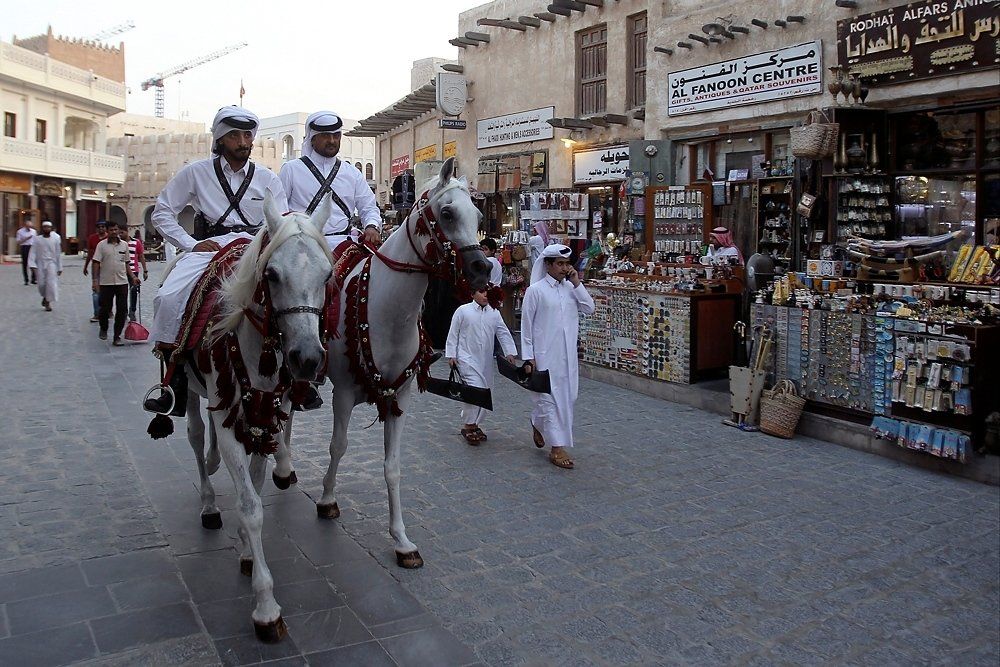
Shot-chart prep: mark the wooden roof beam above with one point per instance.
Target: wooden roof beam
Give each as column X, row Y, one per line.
column 546, row 16
column 478, row 37
column 556, row 9
column 572, row 5
column 529, row 21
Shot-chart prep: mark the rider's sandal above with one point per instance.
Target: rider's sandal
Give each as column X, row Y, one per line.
column 536, row 436
column 479, row 433
column 558, row 457
column 470, row 435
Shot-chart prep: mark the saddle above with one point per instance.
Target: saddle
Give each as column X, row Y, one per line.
column 201, row 305
column 346, row 258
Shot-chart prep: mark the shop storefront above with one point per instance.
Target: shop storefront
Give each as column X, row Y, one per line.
column 14, row 204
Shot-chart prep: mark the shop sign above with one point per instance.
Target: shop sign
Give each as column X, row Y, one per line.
column 451, row 92
column 16, row 183
column 399, row 165
column 920, row 40
column 425, row 153
column 515, row 128
column 791, row 71
column 452, row 124
column 48, row 187
column 601, row 164
column 450, row 149
column 91, row 191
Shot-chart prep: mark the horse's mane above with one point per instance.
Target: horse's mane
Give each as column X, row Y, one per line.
column 237, row 290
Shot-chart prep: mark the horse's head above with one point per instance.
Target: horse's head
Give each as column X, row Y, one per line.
column 452, row 206
column 296, row 272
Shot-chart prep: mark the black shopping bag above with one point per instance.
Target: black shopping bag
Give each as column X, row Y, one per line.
column 535, row 381
column 457, row 390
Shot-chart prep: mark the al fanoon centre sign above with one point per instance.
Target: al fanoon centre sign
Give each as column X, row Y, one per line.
column 787, row 72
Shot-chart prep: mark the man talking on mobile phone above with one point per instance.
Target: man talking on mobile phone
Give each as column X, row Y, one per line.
column 550, row 324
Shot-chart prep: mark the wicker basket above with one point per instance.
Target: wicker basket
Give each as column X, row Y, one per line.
column 816, row 139
column 780, row 409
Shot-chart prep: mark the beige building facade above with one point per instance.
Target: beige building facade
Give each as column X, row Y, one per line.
column 53, row 163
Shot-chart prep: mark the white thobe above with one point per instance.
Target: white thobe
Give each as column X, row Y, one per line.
column 496, row 270
column 350, row 185
column 550, row 324
column 470, row 342
column 45, row 257
column 197, row 185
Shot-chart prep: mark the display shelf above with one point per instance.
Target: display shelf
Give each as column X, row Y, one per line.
column 775, row 233
column 863, row 206
column 678, row 220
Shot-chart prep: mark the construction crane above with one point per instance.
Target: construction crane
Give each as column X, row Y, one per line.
column 157, row 81
column 111, row 32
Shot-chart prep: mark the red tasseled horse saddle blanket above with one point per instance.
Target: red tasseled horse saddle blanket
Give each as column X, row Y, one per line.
column 201, row 306
column 346, row 256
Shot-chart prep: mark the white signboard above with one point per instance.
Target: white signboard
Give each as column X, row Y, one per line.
column 451, row 92
column 600, row 164
column 788, row 72
column 515, row 128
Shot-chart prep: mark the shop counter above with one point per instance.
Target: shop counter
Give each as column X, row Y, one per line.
column 679, row 337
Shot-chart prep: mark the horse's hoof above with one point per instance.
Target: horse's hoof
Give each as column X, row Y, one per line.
column 284, row 482
column 246, row 567
column 271, row 633
column 410, row 561
column 212, row 521
column 328, row 511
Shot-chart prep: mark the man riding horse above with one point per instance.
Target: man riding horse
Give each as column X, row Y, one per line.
column 227, row 191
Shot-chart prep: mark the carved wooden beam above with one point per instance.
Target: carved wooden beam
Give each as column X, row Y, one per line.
column 529, row 21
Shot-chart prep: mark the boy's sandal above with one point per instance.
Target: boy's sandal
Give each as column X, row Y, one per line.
column 470, row 436
column 479, row 434
column 558, row 457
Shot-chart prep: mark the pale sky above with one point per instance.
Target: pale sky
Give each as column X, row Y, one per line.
column 302, row 55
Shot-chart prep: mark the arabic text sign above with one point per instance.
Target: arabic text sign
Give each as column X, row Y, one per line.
column 921, row 40
column 399, row 165
column 425, row 153
column 787, row 72
column 450, row 149
column 515, row 128
column 601, row 164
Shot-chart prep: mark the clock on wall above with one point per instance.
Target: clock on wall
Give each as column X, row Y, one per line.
column 637, row 183
column 651, row 150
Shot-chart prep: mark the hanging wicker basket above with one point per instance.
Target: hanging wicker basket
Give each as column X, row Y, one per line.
column 780, row 409
column 815, row 140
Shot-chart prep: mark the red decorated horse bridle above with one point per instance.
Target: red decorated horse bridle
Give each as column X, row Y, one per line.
column 440, row 258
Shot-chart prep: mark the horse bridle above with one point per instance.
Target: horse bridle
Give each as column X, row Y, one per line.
column 426, row 224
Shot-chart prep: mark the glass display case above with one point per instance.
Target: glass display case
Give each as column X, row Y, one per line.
column 928, row 206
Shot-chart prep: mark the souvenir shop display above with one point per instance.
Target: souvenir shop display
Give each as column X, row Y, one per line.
column 863, row 207
column 919, row 357
column 653, row 328
column 678, row 222
column 775, row 220
column 564, row 213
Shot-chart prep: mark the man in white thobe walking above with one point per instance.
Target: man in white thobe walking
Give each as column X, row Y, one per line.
column 45, row 260
column 550, row 324
column 469, row 348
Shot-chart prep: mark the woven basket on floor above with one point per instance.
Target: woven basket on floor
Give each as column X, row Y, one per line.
column 780, row 409
column 816, row 139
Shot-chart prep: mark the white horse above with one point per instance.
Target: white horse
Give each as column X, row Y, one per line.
column 279, row 285
column 441, row 228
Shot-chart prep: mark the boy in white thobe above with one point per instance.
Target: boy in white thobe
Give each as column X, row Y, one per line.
column 45, row 259
column 550, row 324
column 469, row 348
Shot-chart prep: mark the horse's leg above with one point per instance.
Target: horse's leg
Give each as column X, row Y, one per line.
column 212, row 460
column 266, row 614
column 283, row 476
column 210, row 516
column 343, row 406
column 406, row 551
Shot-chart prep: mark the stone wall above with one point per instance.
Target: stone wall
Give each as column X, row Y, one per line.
column 101, row 59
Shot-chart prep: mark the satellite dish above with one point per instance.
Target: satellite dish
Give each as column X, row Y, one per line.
column 760, row 271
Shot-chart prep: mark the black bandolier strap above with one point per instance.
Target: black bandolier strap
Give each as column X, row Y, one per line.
column 326, row 185
column 234, row 198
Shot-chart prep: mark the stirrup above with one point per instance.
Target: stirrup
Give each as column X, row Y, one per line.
column 152, row 404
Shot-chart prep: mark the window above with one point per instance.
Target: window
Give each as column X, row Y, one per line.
column 636, row 66
column 40, row 131
column 9, row 124
column 592, row 66
column 358, row 165
column 369, row 171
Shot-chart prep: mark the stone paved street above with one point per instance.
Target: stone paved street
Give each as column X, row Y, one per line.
column 675, row 541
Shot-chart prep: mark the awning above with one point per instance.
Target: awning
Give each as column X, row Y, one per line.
column 409, row 108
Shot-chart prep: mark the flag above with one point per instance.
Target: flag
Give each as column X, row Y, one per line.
column 242, row 89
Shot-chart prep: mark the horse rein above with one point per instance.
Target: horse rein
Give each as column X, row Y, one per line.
column 426, row 220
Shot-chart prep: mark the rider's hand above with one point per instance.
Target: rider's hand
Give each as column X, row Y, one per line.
column 510, row 358
column 528, row 367
column 453, row 362
column 208, row 245
column 372, row 236
column 84, row 270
